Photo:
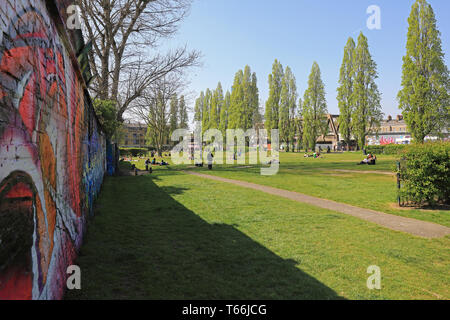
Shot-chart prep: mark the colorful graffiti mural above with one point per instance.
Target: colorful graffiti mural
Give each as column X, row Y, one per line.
column 52, row 154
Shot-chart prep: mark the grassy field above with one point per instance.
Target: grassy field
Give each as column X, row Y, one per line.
column 175, row 236
column 318, row 177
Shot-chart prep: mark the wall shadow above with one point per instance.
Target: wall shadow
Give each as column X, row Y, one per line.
column 145, row 245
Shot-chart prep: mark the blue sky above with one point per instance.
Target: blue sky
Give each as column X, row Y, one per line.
column 233, row 33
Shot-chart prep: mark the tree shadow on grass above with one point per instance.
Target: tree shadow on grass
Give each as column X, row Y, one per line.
column 145, row 245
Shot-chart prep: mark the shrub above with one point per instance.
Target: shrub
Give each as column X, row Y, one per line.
column 425, row 173
column 386, row 149
column 134, row 152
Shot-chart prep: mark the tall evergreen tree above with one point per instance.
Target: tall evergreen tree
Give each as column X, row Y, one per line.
column 314, row 108
column 183, row 114
column 365, row 96
column 273, row 102
column 424, row 97
column 173, row 119
column 345, row 91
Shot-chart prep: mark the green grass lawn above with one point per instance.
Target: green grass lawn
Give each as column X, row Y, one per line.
column 176, row 236
column 317, row 177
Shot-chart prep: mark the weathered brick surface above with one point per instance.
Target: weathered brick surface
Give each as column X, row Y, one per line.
column 52, row 152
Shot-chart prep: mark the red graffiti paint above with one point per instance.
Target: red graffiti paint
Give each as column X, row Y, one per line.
column 48, row 134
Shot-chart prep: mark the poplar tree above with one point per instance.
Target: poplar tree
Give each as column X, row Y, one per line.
column 237, row 109
column 345, row 91
column 216, row 106
column 256, row 116
column 206, row 110
column 287, row 108
column 298, row 123
column 314, row 108
column 183, row 115
column 173, row 120
column 292, row 110
column 424, row 98
column 273, row 102
column 365, row 97
column 223, row 126
column 198, row 109
column 247, row 98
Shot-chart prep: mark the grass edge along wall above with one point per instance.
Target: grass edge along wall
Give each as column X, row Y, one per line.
column 52, row 151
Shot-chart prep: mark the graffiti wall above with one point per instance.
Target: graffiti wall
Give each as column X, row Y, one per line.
column 52, row 153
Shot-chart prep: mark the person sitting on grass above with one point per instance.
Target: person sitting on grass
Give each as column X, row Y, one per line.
column 154, row 161
column 370, row 160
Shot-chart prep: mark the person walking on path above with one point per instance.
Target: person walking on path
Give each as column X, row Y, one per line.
column 210, row 160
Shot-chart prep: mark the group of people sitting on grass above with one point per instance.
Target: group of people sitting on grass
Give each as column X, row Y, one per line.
column 315, row 155
column 369, row 160
column 154, row 163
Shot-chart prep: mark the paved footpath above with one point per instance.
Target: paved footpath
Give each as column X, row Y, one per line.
column 415, row 227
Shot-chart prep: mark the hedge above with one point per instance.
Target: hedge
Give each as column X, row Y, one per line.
column 386, row 149
column 134, row 152
column 425, row 173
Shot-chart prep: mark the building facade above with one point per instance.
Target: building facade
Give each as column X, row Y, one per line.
column 133, row 135
column 390, row 131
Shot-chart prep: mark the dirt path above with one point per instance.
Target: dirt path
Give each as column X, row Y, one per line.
column 408, row 225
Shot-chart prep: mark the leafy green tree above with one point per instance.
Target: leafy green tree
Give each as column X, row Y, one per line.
column 273, row 102
column 345, row 91
column 248, row 98
column 292, row 111
column 206, row 110
column 106, row 111
column 173, row 118
column 198, row 109
column 237, row 109
column 287, row 108
column 365, row 97
column 223, row 125
column 424, row 97
column 256, row 116
column 183, row 114
column 298, row 125
column 216, row 106
column 314, row 108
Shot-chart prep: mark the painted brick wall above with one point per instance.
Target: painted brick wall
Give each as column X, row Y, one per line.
column 52, row 152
